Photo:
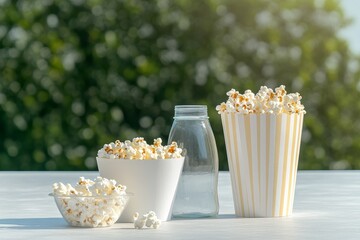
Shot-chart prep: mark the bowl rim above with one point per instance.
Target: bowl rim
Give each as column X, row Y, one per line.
column 127, row 194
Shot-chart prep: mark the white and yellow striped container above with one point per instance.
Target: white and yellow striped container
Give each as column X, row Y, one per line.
column 263, row 152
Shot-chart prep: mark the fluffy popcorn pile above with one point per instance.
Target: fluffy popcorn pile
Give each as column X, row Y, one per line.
column 97, row 203
column 149, row 220
column 139, row 149
column 265, row 101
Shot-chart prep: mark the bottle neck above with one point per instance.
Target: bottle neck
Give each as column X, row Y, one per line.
column 191, row 112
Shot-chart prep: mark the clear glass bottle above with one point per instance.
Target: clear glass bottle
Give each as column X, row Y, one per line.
column 197, row 193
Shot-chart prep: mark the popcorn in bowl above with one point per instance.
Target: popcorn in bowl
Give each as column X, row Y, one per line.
column 151, row 171
column 139, row 149
column 97, row 203
column 265, row 101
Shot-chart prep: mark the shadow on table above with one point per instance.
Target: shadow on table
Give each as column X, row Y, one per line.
column 33, row 223
column 225, row 216
column 220, row 216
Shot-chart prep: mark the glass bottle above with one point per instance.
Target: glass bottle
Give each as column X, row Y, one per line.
column 197, row 194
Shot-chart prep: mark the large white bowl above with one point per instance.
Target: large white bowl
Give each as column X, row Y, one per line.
column 153, row 182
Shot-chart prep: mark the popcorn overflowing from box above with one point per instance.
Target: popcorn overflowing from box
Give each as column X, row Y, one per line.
column 265, row 101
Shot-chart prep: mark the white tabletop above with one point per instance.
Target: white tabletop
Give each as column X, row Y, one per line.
column 327, row 206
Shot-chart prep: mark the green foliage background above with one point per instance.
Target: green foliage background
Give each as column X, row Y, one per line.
column 77, row 74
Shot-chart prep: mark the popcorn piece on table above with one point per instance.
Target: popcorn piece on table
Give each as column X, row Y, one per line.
column 265, row 101
column 149, row 220
column 139, row 149
column 139, row 221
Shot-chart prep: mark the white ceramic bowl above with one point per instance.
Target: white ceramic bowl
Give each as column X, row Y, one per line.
column 153, row 182
column 91, row 211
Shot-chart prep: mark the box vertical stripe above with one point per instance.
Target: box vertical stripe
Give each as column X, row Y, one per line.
column 250, row 136
column 292, row 163
column 271, row 166
column 235, row 189
column 239, row 162
column 263, row 163
column 279, row 145
column 285, row 167
column 244, row 170
column 254, row 147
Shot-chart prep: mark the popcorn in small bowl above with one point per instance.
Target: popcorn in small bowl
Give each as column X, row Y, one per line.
column 97, row 203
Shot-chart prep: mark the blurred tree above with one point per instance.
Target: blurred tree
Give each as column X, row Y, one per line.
column 78, row 74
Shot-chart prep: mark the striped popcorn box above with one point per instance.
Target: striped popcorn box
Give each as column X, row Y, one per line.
column 263, row 152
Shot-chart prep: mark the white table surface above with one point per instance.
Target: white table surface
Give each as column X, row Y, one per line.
column 327, row 206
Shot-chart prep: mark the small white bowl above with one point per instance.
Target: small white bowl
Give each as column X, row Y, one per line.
column 91, row 211
column 153, row 182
